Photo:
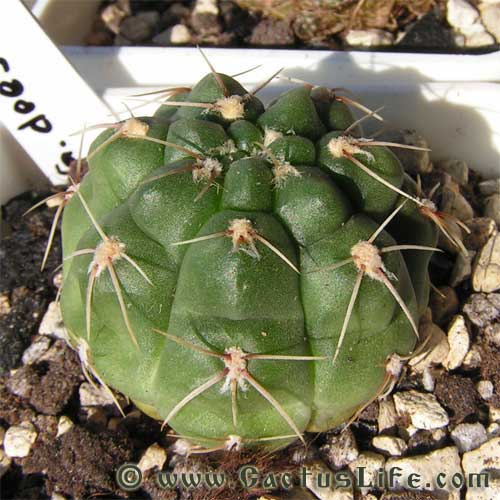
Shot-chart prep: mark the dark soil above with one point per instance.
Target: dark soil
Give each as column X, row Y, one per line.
column 25, row 291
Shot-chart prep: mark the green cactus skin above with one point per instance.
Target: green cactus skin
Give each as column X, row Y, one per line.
column 309, row 205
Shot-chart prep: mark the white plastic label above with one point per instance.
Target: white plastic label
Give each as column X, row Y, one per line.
column 42, row 98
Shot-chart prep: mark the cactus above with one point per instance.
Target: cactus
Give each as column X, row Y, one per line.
column 245, row 274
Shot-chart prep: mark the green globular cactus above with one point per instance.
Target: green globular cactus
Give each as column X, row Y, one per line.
column 245, row 274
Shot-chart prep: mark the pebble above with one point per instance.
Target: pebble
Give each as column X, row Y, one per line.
column 387, row 415
column 140, row 27
column 458, row 170
column 461, row 14
column 413, row 161
column 318, row 468
column 423, row 409
column 479, row 40
column 453, row 203
column 339, row 450
column 390, row 445
column 36, row 350
column 5, row 462
column 113, row 14
column 459, row 342
column 445, row 460
column 206, row 7
column 493, row 430
column 492, row 492
column 19, row 439
column 64, row 425
column 482, row 229
column 482, row 309
column 154, row 457
column 436, row 351
column 486, row 457
column 57, row 496
column 468, row 437
column 176, row 35
column 2, row 435
column 370, row 463
column 52, row 322
column 492, row 208
column 490, row 15
column 428, row 381
column 492, row 333
column 90, row 396
column 494, row 414
column 487, row 188
column 472, row 359
column 369, row 38
column 485, row 389
column 486, row 269
column 462, row 268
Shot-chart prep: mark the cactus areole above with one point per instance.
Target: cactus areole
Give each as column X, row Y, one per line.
column 244, row 274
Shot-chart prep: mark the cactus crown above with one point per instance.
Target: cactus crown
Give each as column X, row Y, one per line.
column 245, row 274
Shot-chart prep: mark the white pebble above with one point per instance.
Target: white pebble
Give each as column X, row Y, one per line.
column 391, row 445
column 445, row 460
column 423, row 409
column 64, row 425
column 52, row 322
column 459, row 342
column 36, row 350
column 468, row 437
column 428, row 380
column 370, row 463
column 5, row 462
column 494, row 414
column 486, row 457
column 481, row 39
column 19, row 439
column 490, row 15
column 485, row 389
column 461, row 14
column 154, row 457
column 369, row 38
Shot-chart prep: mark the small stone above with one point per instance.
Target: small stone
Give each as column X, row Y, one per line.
column 90, row 396
column 479, row 40
column 445, row 460
column 19, row 439
column 2, row 435
column 472, row 359
column 482, row 309
column 481, row 230
column 453, row 203
column 154, row 457
column 491, row 492
column 272, row 33
column 457, row 169
column 140, row 27
column 486, row 269
column 57, row 496
column 476, row 28
column 22, row 381
column 369, row 38
column 484, row 458
column 5, row 307
column 444, row 305
column 461, row 14
column 429, row 32
column 64, row 425
column 175, row 14
column 492, row 334
column 387, row 415
column 494, row 414
column 487, row 188
column 52, row 322
column 5, row 462
column 370, row 463
column 468, row 437
column 413, row 161
column 339, row 450
column 462, row 268
column 176, row 35
column 428, row 380
column 318, row 469
column 493, row 430
column 113, row 14
column 458, row 340
column 492, row 208
column 423, row 409
column 485, row 389
column 490, row 15
column 204, row 18
column 390, row 445
column 36, row 350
